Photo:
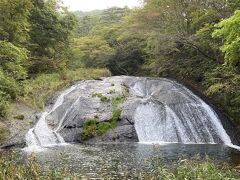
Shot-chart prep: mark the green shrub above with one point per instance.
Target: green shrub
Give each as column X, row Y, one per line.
column 103, row 127
column 222, row 85
column 11, row 60
column 89, row 129
column 4, row 104
column 3, row 133
column 38, row 89
column 8, row 85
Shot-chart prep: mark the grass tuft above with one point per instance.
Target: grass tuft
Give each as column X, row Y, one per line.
column 89, row 129
column 101, row 96
column 117, row 100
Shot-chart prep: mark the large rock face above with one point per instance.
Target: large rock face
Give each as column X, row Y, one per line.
column 152, row 109
column 93, row 99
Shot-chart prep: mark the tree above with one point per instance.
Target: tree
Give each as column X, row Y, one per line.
column 14, row 25
column 129, row 56
column 94, row 51
column 228, row 30
column 50, row 35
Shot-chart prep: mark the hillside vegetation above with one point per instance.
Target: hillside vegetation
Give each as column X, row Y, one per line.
column 196, row 42
column 43, row 47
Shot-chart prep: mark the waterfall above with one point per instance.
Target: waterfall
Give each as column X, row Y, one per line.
column 169, row 112
column 161, row 110
column 42, row 135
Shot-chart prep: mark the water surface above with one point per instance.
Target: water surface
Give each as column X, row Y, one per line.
column 128, row 159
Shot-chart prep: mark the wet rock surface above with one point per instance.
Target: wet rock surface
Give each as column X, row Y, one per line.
column 151, row 109
column 160, row 109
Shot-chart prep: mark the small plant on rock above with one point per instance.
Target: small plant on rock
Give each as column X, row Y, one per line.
column 117, row 100
column 103, row 127
column 115, row 117
column 102, row 97
column 89, row 129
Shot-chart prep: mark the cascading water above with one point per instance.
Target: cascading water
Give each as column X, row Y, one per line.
column 42, row 135
column 161, row 110
column 171, row 113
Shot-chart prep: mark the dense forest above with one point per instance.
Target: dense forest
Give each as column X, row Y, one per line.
column 196, row 42
column 43, row 47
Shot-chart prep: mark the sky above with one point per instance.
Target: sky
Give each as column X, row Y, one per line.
column 89, row 5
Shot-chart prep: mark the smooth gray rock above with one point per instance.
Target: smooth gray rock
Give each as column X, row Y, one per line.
column 153, row 110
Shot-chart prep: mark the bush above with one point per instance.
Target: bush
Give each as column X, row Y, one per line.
column 11, row 60
column 222, row 85
column 9, row 85
column 89, row 129
column 4, row 104
column 3, row 133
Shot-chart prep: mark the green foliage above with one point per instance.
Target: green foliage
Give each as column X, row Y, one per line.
column 12, row 59
column 31, row 169
column 127, row 59
column 4, row 132
column 86, row 24
column 34, row 34
column 184, row 169
column 115, row 117
column 4, row 104
column 101, row 96
column 8, row 85
column 49, row 44
column 97, row 22
column 93, row 51
column 222, row 86
column 89, row 129
column 103, row 127
column 14, row 24
column 11, row 72
column 193, row 169
column 36, row 90
column 117, row 100
column 228, row 30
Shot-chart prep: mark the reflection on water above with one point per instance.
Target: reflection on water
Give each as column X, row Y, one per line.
column 104, row 160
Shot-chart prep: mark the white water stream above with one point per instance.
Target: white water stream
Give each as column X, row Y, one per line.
column 168, row 113
column 42, row 135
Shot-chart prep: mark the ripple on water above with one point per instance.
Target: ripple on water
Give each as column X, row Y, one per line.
column 121, row 160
